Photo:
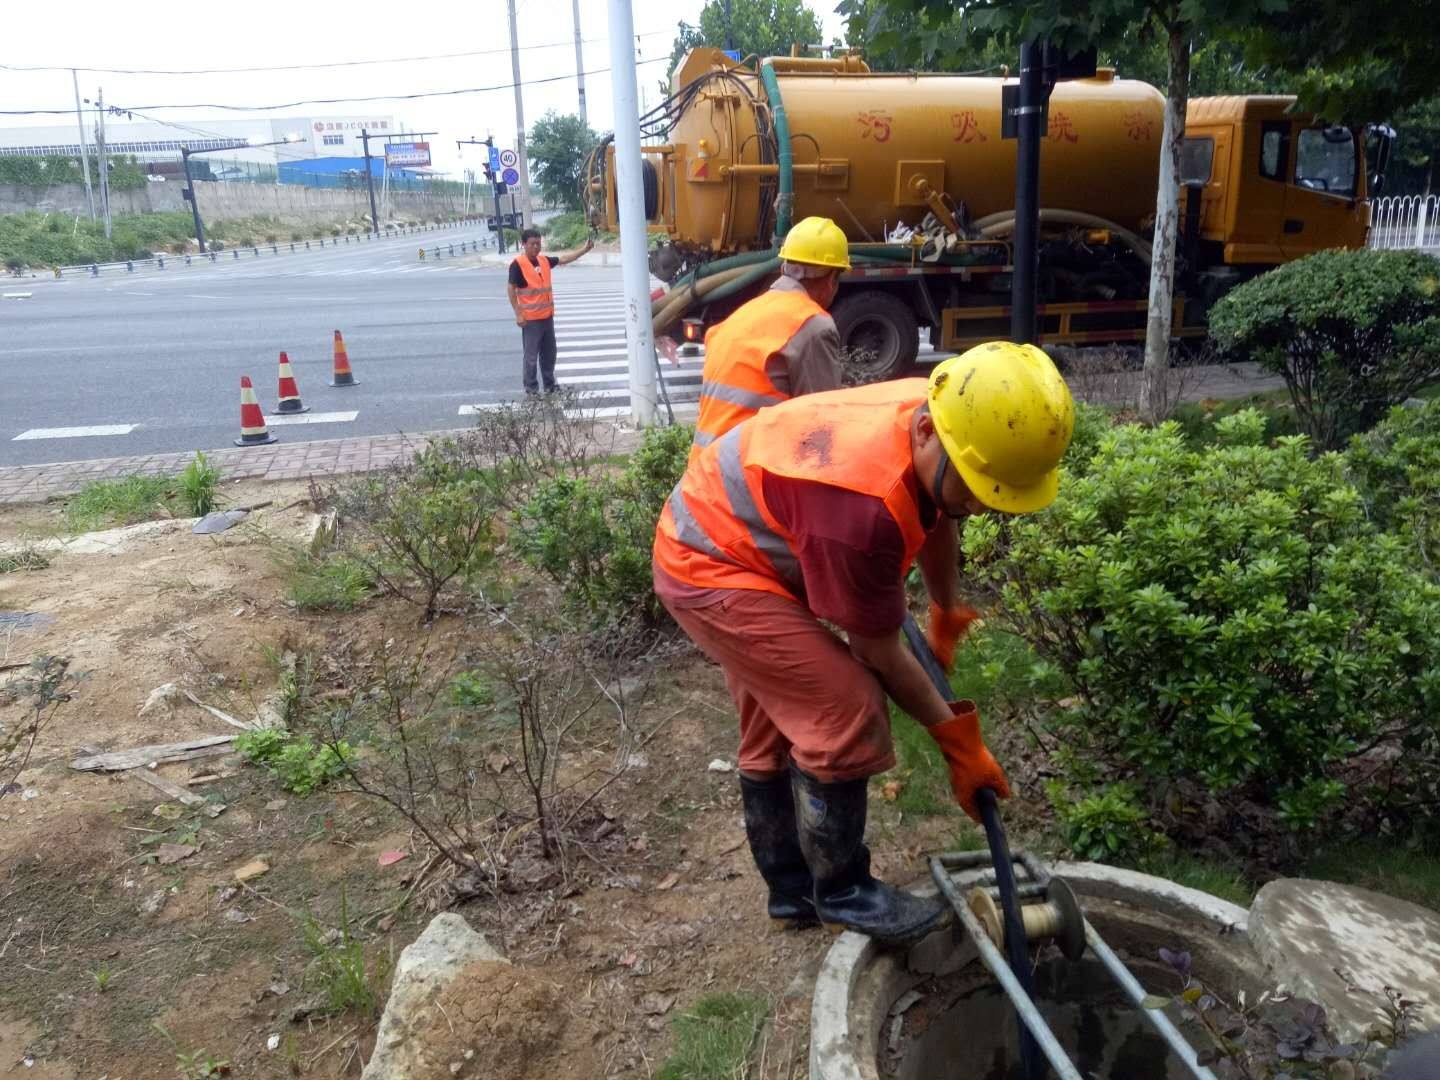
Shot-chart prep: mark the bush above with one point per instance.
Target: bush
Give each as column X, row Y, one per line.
column 300, row 765
column 1396, row 466
column 593, row 535
column 566, row 231
column 1231, row 626
column 1351, row 332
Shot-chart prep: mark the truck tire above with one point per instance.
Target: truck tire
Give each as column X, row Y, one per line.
column 879, row 335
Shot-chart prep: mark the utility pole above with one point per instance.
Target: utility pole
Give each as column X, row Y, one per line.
column 84, row 153
column 1029, row 115
column 580, row 64
column 104, row 162
column 630, row 197
column 185, row 153
column 523, row 165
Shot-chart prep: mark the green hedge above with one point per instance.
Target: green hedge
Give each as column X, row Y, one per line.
column 125, row 173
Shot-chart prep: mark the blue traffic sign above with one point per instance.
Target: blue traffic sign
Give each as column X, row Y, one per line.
column 494, row 160
column 510, row 176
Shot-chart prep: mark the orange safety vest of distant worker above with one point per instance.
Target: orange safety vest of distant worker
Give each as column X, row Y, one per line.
column 536, row 300
column 716, row 531
column 734, row 384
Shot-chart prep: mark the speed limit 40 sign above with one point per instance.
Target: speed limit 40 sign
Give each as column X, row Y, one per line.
column 509, row 159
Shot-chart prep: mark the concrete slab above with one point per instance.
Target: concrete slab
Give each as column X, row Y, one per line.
column 1320, row 940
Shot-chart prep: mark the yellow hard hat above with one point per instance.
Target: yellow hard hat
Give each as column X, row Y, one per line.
column 817, row 241
column 1005, row 417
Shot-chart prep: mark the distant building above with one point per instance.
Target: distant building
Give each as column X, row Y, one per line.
column 319, row 147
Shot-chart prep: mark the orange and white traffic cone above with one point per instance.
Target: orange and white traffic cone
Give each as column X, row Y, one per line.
column 343, row 375
column 290, row 402
column 253, row 431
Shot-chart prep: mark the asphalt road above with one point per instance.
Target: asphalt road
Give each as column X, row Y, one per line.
column 150, row 362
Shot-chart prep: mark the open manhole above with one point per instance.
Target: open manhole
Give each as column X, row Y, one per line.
column 937, row 1011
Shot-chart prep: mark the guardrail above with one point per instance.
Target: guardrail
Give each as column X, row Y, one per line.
column 1405, row 221
column 160, row 261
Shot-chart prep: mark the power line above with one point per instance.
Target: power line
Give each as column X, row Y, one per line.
column 345, row 100
column 300, row 67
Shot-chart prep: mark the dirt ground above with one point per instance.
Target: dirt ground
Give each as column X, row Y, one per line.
column 104, row 941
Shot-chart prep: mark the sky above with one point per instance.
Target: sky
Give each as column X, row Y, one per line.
column 163, row 34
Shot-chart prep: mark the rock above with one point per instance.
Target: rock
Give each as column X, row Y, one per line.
column 1339, row 946
column 152, row 904
column 720, row 765
column 252, row 869
column 168, row 854
column 427, row 967
column 162, row 699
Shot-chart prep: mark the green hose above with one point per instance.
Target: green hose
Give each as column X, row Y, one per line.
column 743, row 282
column 709, row 269
column 785, row 197
column 712, row 291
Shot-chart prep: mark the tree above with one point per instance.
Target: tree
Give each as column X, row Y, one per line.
column 559, row 145
column 1417, row 144
column 751, row 27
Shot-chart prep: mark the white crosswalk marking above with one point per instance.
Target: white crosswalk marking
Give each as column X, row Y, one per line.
column 285, row 420
column 76, row 432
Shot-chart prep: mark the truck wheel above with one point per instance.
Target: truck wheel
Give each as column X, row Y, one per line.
column 879, row 336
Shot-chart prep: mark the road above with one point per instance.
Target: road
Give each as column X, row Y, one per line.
column 150, row 362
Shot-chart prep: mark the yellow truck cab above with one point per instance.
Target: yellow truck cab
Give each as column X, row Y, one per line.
column 1274, row 185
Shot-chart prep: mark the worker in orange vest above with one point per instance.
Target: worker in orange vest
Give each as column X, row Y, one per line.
column 783, row 343
column 533, row 301
column 814, row 510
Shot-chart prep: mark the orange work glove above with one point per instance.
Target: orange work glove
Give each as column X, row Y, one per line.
column 947, row 627
column 971, row 765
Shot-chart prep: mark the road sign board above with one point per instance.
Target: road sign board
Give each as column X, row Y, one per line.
column 510, row 176
column 509, row 159
column 413, row 153
column 494, row 160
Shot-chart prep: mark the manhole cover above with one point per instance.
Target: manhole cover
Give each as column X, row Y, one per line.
column 24, row 620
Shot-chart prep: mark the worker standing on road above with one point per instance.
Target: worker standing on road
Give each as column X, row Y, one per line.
column 783, row 343
column 534, row 302
column 815, row 509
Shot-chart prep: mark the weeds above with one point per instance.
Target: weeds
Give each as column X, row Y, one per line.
column 195, row 1064
column 102, row 977
column 197, row 485
column 131, row 499
column 41, row 690
column 300, row 765
column 338, row 967
column 26, row 557
column 713, row 1038
column 336, row 583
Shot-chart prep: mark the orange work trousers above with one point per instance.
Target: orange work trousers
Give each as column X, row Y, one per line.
column 801, row 693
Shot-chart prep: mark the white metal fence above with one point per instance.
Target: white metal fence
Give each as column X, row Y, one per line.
column 1405, row 221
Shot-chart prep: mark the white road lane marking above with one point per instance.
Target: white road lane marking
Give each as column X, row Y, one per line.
column 311, row 418
column 75, row 432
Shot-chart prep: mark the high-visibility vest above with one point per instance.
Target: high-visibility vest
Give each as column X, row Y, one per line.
column 716, row 531
column 536, row 300
column 734, row 385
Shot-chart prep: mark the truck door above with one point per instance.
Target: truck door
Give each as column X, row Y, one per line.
column 1322, row 205
column 1259, row 195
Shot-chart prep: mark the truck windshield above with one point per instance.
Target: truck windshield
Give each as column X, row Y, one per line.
column 1325, row 160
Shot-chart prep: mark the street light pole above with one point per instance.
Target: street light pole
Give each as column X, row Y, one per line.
column 84, row 153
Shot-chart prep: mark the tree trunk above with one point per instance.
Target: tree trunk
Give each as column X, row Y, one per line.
column 1154, row 379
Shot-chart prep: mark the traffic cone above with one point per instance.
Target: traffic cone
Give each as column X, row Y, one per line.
column 253, row 431
column 343, row 375
column 290, row 402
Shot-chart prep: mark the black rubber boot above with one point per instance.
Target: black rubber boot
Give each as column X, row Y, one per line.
column 832, row 835
column 770, row 828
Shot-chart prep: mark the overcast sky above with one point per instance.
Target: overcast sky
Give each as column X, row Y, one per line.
column 250, row 33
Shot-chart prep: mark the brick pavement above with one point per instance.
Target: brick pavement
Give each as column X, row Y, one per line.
column 328, row 457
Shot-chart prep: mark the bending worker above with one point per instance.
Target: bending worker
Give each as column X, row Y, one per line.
column 815, row 509
column 783, row 343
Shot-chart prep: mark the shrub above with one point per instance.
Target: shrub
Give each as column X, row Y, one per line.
column 1351, row 332
column 1396, row 466
column 593, row 535
column 300, row 765
column 1231, row 625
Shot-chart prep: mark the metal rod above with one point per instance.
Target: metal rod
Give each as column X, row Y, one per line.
column 1178, row 1044
column 1031, row 1020
column 1027, row 194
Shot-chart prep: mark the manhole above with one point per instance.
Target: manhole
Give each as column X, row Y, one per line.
column 937, row 1011
column 24, row 620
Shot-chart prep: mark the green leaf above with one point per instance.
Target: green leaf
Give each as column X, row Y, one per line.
column 1155, row 1001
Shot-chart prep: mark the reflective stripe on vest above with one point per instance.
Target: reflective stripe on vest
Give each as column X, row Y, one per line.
column 537, row 300
column 735, row 383
column 716, row 531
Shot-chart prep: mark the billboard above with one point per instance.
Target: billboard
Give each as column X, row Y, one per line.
column 412, row 153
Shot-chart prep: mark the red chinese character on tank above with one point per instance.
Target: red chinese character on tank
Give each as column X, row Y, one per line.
column 1062, row 128
column 1140, row 128
column 967, row 130
column 875, row 125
